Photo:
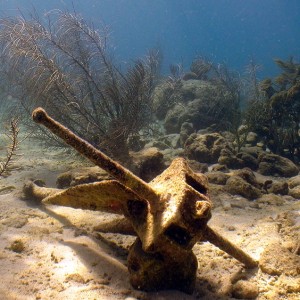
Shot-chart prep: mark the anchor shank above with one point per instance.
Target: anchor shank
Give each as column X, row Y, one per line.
column 213, row 237
column 123, row 175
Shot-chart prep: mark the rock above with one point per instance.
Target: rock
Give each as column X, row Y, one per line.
column 185, row 131
column 160, row 145
column 76, row 278
column 193, row 113
column 198, row 167
column 294, row 182
column 205, row 148
column 64, row 180
column 239, row 160
column 207, row 130
column 17, row 246
column 189, row 76
column 279, row 188
column 229, row 159
column 277, row 260
column 150, row 163
column 252, row 138
column 254, row 151
column 6, row 189
column 288, row 284
column 198, row 89
column 238, row 202
column 171, row 122
column 244, row 290
column 164, row 97
column 236, row 185
column 196, row 104
column 248, row 175
column 295, row 192
column 216, row 193
column 168, row 141
column 261, row 145
column 229, row 201
column 248, row 160
column 294, row 186
column 229, row 136
column 80, row 176
column 275, row 165
column 220, row 168
column 135, row 143
column 170, row 153
column 270, row 199
column 217, row 177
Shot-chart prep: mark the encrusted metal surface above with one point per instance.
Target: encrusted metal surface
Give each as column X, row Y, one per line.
column 168, row 215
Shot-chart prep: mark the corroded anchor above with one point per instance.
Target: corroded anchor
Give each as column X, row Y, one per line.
column 168, row 215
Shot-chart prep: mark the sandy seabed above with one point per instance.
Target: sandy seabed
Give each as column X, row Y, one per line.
column 53, row 252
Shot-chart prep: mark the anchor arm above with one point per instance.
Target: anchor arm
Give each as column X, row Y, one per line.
column 123, row 175
column 215, row 238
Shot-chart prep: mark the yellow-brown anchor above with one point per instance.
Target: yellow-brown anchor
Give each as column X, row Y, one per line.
column 168, row 215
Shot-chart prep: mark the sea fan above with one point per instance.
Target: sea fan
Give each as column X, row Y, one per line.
column 11, row 149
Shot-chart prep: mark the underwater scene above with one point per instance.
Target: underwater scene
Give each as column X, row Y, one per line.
column 149, row 149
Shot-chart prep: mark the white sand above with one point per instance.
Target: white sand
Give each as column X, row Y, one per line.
column 63, row 258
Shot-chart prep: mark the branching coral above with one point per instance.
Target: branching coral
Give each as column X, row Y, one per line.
column 201, row 67
column 64, row 64
column 276, row 114
column 12, row 148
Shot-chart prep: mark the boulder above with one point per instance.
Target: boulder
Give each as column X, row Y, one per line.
column 198, row 89
column 217, row 177
column 244, row 289
column 239, row 160
column 229, row 159
column 149, row 162
column 248, row 160
column 255, row 151
column 220, row 168
column 81, row 176
column 279, row 188
column 135, row 143
column 164, row 97
column 248, row 176
column 294, row 182
column 185, row 131
column 204, row 148
column 168, row 141
column 294, row 186
column 189, row 76
column 198, row 102
column 275, row 165
column 244, row 183
column 171, row 122
column 235, row 185
column 170, row 153
column 197, row 166
column 252, row 138
column 295, row 192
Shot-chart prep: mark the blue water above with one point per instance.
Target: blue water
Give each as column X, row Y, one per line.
column 230, row 31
